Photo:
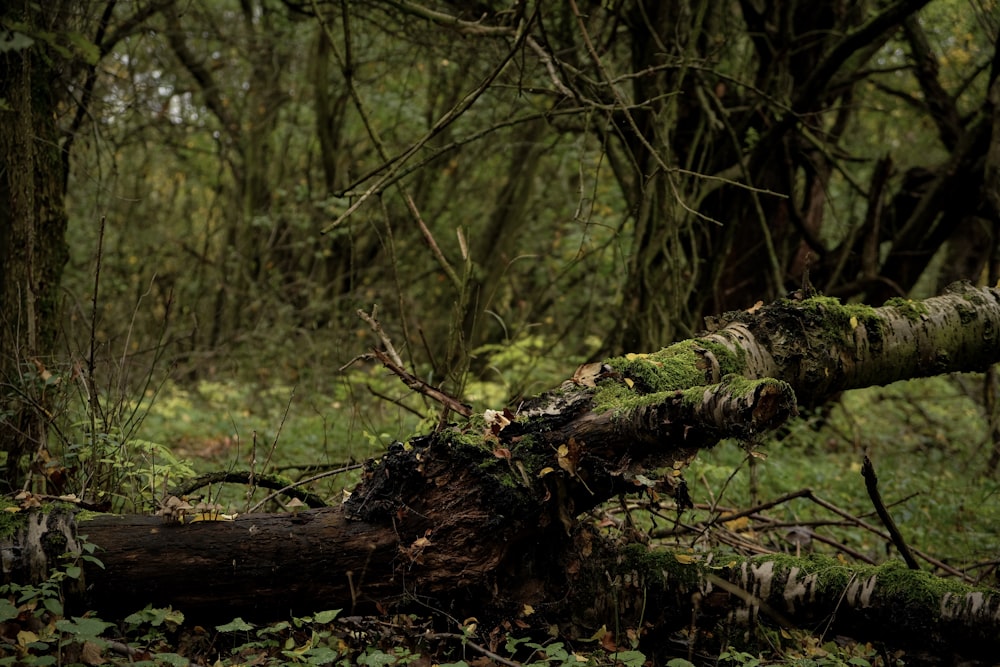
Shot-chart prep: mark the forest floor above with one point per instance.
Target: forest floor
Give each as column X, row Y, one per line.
column 928, row 440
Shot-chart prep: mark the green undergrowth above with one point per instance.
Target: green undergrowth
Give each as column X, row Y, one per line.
column 928, row 442
column 926, row 438
column 40, row 635
column 162, row 636
column 280, row 429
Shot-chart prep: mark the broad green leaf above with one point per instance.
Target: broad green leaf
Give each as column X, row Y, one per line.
column 7, row 610
column 631, row 658
column 53, row 606
column 172, row 659
column 83, row 628
column 326, row 616
column 235, row 625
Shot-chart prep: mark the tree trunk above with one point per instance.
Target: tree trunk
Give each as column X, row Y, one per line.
column 482, row 515
column 33, row 249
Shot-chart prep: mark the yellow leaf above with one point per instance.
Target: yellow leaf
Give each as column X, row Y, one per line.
column 564, row 461
column 601, row 631
column 25, row 637
column 545, row 471
column 629, row 382
column 686, row 559
column 527, row 610
column 737, row 525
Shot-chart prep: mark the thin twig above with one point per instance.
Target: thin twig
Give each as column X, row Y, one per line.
column 257, row 479
column 302, row 482
column 468, row 642
column 418, row 385
column 871, row 484
column 395, row 401
column 872, row 529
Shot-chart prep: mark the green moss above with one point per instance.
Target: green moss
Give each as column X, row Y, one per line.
column 895, row 582
column 911, row 310
column 737, row 385
column 11, row 521
column 692, row 397
column 674, row 367
column 620, row 398
column 612, row 395
column 838, row 320
column 829, row 571
column 660, row 562
column 729, row 362
column 908, row 587
column 680, row 366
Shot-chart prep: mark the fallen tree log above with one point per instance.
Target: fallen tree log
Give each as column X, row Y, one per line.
column 483, row 515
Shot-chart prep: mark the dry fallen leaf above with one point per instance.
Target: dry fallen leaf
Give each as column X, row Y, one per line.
column 496, row 420
column 586, row 374
column 91, row 654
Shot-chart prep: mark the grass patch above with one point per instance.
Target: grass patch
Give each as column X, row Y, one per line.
column 928, row 440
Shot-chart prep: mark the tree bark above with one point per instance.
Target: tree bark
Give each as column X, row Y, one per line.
column 482, row 514
column 33, row 249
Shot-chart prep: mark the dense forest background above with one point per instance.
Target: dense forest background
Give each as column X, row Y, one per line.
column 511, row 188
column 571, row 180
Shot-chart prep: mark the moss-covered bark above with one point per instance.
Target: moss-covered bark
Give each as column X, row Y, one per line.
column 725, row 596
column 820, row 346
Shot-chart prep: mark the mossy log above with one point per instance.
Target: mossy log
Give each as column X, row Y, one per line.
column 483, row 515
column 655, row 590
